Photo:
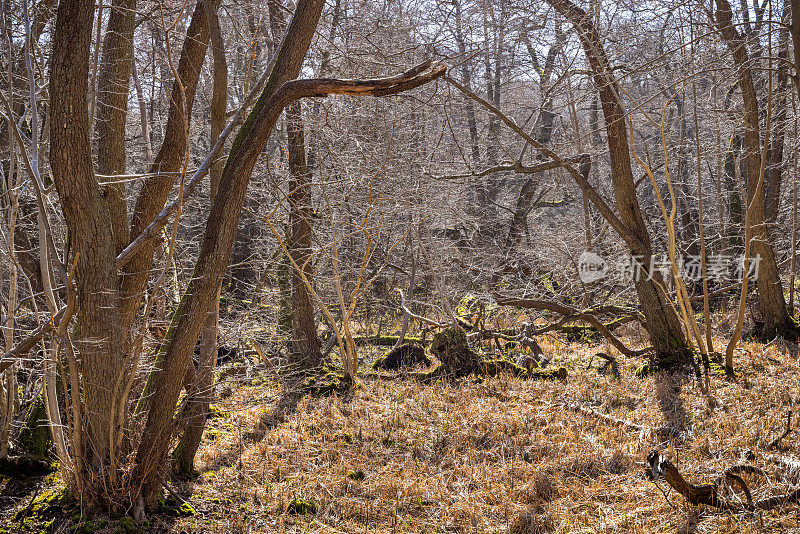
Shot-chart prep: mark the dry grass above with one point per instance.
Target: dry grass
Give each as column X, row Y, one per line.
column 499, row 454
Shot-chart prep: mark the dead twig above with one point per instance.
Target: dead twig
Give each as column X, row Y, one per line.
column 774, row 443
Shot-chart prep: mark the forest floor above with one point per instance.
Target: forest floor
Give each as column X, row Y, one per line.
column 483, row 454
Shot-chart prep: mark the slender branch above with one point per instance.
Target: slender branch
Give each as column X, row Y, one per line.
column 591, row 193
column 29, row 342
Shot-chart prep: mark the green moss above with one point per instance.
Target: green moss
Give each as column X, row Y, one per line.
column 46, row 505
column 450, row 346
column 327, row 382
column 721, row 370
column 299, row 506
column 468, row 306
column 496, row 366
column 429, row 376
column 218, row 500
column 178, row 509
column 215, row 412
column 357, row 475
column 559, row 373
column 34, row 438
column 128, row 525
column 645, row 370
column 88, row 527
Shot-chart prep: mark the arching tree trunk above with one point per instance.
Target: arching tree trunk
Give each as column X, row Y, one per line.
column 164, row 384
column 663, row 324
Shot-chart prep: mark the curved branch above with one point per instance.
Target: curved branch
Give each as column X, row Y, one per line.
column 574, row 314
column 587, row 188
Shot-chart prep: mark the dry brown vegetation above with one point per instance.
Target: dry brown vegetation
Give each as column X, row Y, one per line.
column 496, row 454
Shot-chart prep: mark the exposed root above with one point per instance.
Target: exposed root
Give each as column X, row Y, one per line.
column 774, row 444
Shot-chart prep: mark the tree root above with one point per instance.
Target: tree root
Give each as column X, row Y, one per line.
column 709, row 494
column 774, row 444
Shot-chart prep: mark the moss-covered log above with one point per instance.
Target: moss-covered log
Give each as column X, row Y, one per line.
column 326, row 381
column 406, row 355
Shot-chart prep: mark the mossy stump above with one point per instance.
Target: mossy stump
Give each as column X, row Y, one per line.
column 451, row 348
column 34, row 437
column 326, row 381
column 404, row 356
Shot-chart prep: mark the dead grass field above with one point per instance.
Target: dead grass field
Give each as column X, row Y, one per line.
column 501, row 454
column 494, row 455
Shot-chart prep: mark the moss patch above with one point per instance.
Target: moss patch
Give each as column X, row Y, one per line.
column 34, row 437
column 299, row 506
column 327, row 381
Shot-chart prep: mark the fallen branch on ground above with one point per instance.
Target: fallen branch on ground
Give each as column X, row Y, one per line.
column 709, row 494
column 573, row 314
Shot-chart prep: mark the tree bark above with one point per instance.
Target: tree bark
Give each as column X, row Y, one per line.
column 164, row 384
column 102, row 363
column 202, row 391
column 112, row 109
column 304, row 345
column 771, row 304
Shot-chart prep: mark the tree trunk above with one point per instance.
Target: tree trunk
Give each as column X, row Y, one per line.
column 663, row 325
column 102, row 362
column 112, row 109
column 202, row 392
column 771, row 304
column 304, row 345
column 164, row 384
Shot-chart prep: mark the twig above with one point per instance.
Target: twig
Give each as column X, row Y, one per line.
column 776, row 441
column 414, row 315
